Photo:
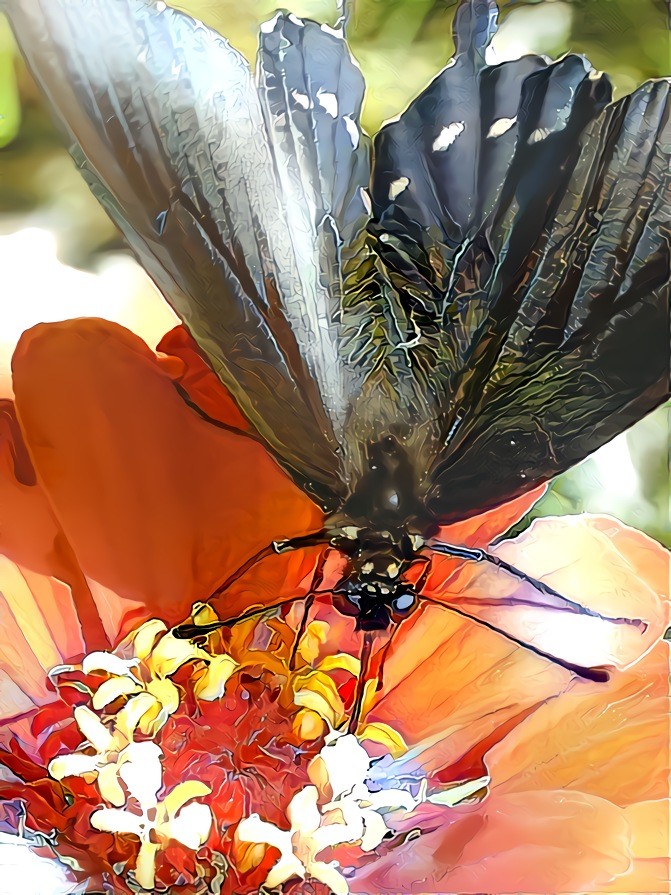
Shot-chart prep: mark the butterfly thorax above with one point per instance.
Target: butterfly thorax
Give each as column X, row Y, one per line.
column 385, row 497
column 373, row 588
column 378, row 531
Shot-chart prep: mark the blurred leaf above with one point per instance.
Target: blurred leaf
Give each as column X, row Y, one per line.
column 10, row 107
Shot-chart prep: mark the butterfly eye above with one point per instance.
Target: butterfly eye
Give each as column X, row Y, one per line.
column 403, row 604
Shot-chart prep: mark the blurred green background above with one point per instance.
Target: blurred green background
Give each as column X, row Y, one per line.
column 400, row 45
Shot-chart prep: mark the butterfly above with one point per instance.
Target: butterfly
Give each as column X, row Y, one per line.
column 419, row 327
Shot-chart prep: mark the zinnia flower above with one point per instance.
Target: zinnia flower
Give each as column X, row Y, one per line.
column 489, row 768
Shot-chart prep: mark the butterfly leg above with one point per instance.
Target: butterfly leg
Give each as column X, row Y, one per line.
column 315, row 539
column 307, row 606
column 366, row 651
column 309, row 600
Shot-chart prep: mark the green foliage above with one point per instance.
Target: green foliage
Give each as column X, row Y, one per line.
column 10, row 105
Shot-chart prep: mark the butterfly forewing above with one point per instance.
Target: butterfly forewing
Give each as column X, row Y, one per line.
column 167, row 124
column 531, row 229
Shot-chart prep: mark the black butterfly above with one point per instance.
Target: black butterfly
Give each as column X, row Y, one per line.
column 419, row 330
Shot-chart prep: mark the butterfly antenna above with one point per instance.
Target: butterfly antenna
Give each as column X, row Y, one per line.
column 366, row 651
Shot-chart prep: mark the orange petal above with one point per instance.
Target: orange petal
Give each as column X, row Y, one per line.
column 31, row 536
column 559, row 841
column 39, row 628
column 482, row 530
column 158, row 505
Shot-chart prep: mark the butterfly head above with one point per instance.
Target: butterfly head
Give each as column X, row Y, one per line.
column 374, row 589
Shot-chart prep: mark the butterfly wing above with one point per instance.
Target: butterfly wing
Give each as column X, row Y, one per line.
column 239, row 201
column 576, row 349
column 532, row 220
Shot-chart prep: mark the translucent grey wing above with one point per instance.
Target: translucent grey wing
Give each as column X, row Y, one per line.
column 168, row 127
column 582, row 333
column 311, row 93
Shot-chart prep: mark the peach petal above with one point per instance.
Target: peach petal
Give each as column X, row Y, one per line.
column 623, row 613
column 158, row 505
column 612, row 740
column 649, row 870
column 555, row 841
column 451, row 684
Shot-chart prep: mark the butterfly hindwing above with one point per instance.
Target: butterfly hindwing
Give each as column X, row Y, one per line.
column 531, row 226
column 586, row 354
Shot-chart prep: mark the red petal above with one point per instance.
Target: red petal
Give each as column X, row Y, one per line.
column 197, row 378
column 482, row 530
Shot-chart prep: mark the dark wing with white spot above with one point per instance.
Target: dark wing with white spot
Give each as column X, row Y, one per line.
column 529, row 220
column 576, row 348
column 239, row 201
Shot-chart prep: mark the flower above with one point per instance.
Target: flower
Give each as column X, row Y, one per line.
column 110, row 751
column 459, row 705
column 352, row 813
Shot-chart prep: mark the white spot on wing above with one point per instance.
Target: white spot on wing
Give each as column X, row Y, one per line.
column 365, row 199
column 448, row 135
column 335, row 32
column 301, row 99
column 397, row 186
column 539, row 134
column 328, row 102
column 501, row 126
column 269, row 26
column 352, row 130
column 161, row 6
